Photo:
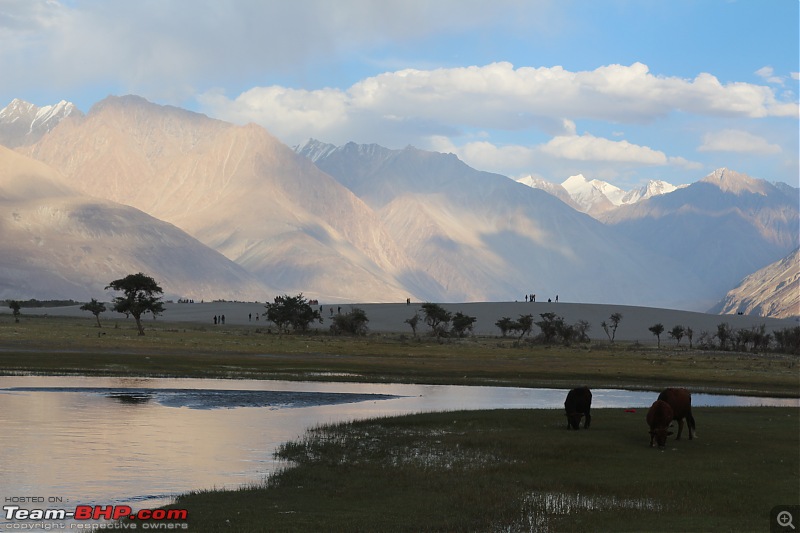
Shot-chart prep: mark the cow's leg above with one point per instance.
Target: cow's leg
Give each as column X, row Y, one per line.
column 690, row 423
column 588, row 420
column 680, row 428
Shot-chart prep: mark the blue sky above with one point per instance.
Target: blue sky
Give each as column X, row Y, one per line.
column 620, row 90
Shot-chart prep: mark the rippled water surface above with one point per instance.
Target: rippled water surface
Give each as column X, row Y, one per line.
column 141, row 441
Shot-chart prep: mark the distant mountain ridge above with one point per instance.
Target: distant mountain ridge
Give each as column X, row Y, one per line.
column 596, row 197
column 482, row 236
column 728, row 225
column 58, row 243
column 367, row 223
column 238, row 190
column 772, row 291
column 22, row 123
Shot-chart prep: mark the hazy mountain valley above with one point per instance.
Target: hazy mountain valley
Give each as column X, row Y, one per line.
column 215, row 210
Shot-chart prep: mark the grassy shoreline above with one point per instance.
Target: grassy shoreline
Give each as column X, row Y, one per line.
column 507, row 470
column 520, row 470
column 58, row 346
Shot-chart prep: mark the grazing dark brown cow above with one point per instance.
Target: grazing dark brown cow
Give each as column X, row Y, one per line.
column 659, row 417
column 681, row 402
column 578, row 404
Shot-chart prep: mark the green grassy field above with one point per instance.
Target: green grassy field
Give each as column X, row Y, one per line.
column 507, row 470
column 77, row 346
column 521, row 470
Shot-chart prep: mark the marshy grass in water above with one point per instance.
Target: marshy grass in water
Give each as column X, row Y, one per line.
column 521, row 470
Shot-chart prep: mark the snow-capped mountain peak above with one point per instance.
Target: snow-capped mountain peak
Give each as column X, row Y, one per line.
column 23, row 123
column 653, row 188
column 596, row 197
column 593, row 196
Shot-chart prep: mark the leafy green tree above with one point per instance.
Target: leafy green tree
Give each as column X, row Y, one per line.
column 413, row 322
column 292, row 313
column 14, row 306
column 689, row 335
column 677, row 333
column 760, row 338
column 582, row 328
column 505, row 324
column 724, row 334
column 611, row 327
column 657, row 330
column 437, row 318
column 95, row 308
column 524, row 325
column 139, row 297
column 788, row 339
column 353, row 323
column 551, row 325
column 462, row 323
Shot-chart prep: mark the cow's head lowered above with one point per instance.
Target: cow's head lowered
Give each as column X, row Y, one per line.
column 660, row 435
column 574, row 420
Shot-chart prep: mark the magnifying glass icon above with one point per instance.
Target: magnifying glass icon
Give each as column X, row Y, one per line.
column 784, row 519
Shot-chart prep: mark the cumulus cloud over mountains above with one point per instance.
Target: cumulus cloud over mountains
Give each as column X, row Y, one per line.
column 511, row 86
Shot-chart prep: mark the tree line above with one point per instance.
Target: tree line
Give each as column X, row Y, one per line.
column 141, row 294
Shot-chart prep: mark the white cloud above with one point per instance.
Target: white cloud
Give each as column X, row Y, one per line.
column 767, row 73
column 485, row 155
column 590, row 148
column 563, row 156
column 288, row 113
column 498, row 96
column 737, row 141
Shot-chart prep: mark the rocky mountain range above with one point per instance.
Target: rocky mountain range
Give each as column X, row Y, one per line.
column 22, row 123
column 726, row 225
column 596, row 197
column 482, row 236
column 363, row 222
column 771, row 291
column 56, row 242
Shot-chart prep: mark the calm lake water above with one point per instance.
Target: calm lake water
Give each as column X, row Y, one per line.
column 139, row 442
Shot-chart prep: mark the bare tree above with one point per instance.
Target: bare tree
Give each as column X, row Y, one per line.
column 611, row 329
column 413, row 321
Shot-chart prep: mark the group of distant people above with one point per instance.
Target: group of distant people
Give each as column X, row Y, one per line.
column 219, row 319
column 532, row 298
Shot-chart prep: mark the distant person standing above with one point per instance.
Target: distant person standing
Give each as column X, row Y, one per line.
column 215, row 320
column 556, row 298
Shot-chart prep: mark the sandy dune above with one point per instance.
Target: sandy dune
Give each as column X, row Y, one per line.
column 391, row 317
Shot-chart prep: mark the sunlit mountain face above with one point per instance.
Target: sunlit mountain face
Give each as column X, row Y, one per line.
column 359, row 222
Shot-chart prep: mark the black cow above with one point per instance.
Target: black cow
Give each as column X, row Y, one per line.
column 681, row 402
column 659, row 417
column 578, row 404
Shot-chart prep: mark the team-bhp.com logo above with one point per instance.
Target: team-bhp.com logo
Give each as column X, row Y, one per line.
column 157, row 518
